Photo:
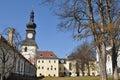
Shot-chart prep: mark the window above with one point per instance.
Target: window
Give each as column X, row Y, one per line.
column 49, row 61
column 70, row 65
column 39, row 61
column 51, row 68
column 39, row 67
column 55, row 68
column 25, row 49
column 64, row 68
column 64, row 73
column 42, row 67
column 40, row 54
column 54, row 61
column 40, row 74
column 47, row 68
column 18, row 66
column 42, row 61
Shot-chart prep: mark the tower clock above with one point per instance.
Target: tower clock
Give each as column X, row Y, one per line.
column 30, row 35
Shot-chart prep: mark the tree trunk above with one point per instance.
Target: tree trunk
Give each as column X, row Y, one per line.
column 115, row 73
column 102, row 61
column 88, row 66
column 82, row 73
column 114, row 63
column 2, row 77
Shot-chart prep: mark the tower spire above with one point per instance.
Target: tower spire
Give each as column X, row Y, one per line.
column 31, row 23
column 32, row 16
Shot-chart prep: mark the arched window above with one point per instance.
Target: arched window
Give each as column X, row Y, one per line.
column 109, row 58
column 70, row 66
column 25, row 49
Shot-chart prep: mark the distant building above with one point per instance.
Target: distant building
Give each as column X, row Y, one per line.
column 89, row 70
column 68, row 67
column 47, row 64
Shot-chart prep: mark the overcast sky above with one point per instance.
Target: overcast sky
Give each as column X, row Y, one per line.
column 15, row 13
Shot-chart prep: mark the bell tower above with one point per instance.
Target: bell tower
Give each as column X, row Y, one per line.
column 31, row 26
column 29, row 45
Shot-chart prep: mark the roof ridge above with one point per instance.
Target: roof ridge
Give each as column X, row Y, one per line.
column 46, row 54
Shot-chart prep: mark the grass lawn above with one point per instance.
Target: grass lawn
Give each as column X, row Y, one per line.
column 72, row 78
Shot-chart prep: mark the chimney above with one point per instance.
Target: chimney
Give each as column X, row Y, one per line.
column 10, row 35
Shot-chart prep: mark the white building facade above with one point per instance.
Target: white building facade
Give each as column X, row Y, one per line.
column 47, row 64
column 16, row 66
column 109, row 62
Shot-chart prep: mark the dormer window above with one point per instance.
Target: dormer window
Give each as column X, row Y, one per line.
column 25, row 49
column 40, row 54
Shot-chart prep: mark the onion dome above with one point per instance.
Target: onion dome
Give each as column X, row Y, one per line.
column 31, row 23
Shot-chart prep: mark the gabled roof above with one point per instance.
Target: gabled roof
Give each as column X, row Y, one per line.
column 46, row 55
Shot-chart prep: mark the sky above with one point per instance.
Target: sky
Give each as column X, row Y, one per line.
column 16, row 14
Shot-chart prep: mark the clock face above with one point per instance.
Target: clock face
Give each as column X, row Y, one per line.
column 29, row 35
column 62, row 61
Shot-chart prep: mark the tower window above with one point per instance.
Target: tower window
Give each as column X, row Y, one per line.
column 25, row 49
column 70, row 66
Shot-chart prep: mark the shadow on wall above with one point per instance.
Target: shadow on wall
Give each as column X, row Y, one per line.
column 21, row 77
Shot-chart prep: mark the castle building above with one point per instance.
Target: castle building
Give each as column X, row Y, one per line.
column 68, row 67
column 29, row 45
column 13, row 65
column 47, row 64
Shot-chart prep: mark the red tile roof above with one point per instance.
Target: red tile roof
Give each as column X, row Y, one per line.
column 46, row 55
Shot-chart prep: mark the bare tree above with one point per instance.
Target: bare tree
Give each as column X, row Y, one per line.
column 84, row 53
column 7, row 54
column 7, row 59
column 90, row 18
